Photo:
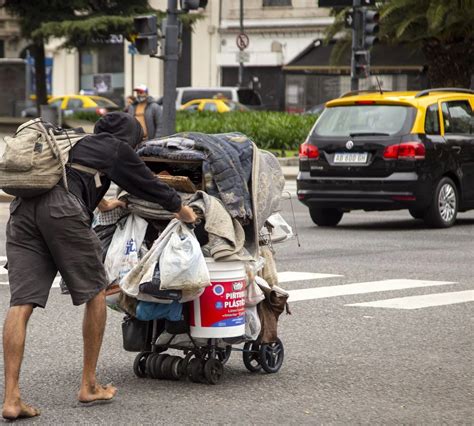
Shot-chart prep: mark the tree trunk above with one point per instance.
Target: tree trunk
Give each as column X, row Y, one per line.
column 40, row 74
column 449, row 64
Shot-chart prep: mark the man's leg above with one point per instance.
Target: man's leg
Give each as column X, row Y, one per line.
column 93, row 328
column 14, row 335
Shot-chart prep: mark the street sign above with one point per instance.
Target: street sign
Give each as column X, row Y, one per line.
column 242, row 41
column 344, row 3
column 242, row 56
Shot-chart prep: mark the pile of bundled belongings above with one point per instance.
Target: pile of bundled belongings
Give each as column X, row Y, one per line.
column 156, row 264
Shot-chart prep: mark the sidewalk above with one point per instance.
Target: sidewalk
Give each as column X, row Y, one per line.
column 290, row 172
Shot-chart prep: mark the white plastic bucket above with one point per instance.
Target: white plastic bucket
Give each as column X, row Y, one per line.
column 220, row 311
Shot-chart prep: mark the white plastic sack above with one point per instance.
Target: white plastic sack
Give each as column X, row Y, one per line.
column 182, row 264
column 122, row 254
column 281, row 231
column 254, row 293
column 252, row 323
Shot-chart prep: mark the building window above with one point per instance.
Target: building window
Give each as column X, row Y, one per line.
column 276, row 3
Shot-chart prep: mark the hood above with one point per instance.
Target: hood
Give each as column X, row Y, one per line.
column 122, row 125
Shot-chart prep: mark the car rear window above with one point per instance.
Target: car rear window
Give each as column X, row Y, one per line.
column 103, row 102
column 189, row 95
column 364, row 119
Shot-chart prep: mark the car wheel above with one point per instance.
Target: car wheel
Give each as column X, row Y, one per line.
column 325, row 217
column 444, row 206
column 417, row 214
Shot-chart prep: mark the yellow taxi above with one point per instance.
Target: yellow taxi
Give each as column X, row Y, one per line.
column 69, row 104
column 383, row 150
column 214, row 105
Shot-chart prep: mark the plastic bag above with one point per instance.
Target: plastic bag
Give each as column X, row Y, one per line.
column 122, row 254
column 254, row 293
column 281, row 231
column 182, row 263
column 252, row 323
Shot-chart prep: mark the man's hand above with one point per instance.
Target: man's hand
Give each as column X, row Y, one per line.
column 107, row 205
column 186, row 214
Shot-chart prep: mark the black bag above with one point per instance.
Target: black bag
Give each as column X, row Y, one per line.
column 136, row 334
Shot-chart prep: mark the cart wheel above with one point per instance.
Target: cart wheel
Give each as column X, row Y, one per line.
column 139, row 365
column 169, row 367
column 223, row 355
column 213, row 371
column 176, row 368
column 150, row 363
column 251, row 356
column 195, row 370
column 183, row 366
column 271, row 356
column 158, row 364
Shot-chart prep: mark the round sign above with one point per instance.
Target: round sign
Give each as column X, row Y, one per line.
column 242, row 41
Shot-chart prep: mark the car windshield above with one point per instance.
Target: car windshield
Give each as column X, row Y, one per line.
column 364, row 120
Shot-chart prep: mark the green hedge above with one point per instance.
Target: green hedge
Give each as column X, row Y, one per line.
column 268, row 129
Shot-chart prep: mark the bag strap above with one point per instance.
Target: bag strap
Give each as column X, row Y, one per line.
column 90, row 171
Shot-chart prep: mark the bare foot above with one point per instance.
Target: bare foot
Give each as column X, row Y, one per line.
column 96, row 393
column 18, row 410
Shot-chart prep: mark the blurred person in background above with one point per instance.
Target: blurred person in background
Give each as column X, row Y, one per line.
column 147, row 111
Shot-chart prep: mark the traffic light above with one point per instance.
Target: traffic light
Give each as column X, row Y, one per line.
column 361, row 63
column 192, row 4
column 370, row 27
column 146, row 41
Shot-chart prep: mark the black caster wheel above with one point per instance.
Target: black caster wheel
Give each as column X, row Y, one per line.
column 139, row 365
column 196, row 370
column 170, row 368
column 158, row 364
column 251, row 356
column 271, row 356
column 213, row 371
column 150, row 363
column 177, row 368
column 223, row 354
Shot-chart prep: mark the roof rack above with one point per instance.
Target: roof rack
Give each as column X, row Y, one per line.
column 356, row 92
column 443, row 89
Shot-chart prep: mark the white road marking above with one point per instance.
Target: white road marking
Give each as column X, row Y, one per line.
column 423, row 301
column 360, row 288
column 3, row 258
column 288, row 276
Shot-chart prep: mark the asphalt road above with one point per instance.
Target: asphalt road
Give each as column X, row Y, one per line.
column 343, row 364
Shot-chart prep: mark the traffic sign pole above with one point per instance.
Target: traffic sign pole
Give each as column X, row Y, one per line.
column 356, row 28
column 241, row 64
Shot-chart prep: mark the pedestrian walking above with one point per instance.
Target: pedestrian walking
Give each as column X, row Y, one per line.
column 147, row 111
column 52, row 232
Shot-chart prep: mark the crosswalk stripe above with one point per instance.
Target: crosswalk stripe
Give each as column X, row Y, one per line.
column 423, row 301
column 360, row 288
column 288, row 276
column 55, row 282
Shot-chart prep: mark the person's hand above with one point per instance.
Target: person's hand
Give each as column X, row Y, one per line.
column 186, row 215
column 107, row 205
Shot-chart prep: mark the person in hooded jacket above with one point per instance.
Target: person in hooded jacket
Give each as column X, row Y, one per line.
column 52, row 232
column 147, row 111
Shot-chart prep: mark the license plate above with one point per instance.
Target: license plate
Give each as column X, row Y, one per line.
column 351, row 157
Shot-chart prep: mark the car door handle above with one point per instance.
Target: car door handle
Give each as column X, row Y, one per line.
column 456, row 148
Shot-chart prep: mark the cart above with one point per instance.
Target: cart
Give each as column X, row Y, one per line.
column 202, row 359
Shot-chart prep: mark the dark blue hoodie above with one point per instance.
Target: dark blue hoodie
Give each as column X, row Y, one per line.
column 110, row 150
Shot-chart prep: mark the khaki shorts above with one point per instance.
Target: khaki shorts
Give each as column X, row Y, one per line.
column 47, row 234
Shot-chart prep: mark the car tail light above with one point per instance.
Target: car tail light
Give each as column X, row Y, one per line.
column 308, row 151
column 101, row 111
column 365, row 102
column 405, row 151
